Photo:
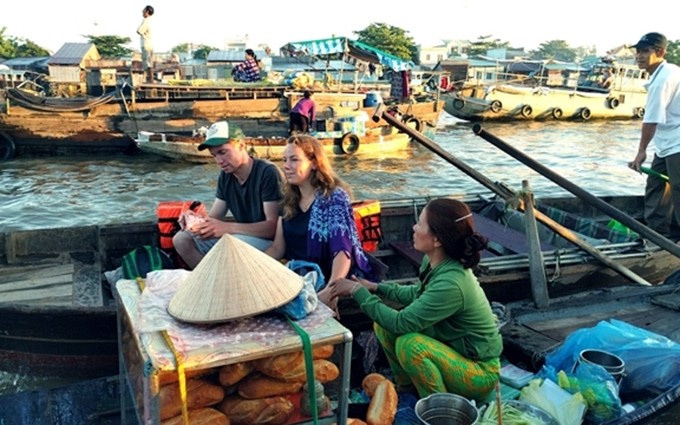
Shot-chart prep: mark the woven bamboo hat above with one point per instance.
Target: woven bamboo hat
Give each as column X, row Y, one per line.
column 233, row 281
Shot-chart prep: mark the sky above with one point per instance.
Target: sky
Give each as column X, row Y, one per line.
column 214, row 23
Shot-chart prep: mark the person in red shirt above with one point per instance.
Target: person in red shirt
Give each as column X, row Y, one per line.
column 303, row 114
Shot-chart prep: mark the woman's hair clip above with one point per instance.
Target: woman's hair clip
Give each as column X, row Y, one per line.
column 462, row 218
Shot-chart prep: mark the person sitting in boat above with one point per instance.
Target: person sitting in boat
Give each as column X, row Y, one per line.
column 445, row 338
column 317, row 221
column 248, row 70
column 303, row 114
column 606, row 79
column 249, row 188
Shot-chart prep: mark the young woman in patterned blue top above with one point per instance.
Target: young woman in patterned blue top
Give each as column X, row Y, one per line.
column 317, row 221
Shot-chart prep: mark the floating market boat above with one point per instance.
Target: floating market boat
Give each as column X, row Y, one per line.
column 351, row 138
column 57, row 311
column 34, row 125
column 545, row 90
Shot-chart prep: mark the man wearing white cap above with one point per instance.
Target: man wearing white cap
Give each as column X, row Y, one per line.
column 661, row 125
column 249, row 188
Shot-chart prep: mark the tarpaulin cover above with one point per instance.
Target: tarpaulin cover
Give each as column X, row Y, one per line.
column 343, row 45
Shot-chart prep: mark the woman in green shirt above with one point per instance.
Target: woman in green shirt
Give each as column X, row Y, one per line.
column 445, row 338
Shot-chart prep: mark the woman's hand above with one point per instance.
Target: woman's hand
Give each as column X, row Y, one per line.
column 326, row 296
column 344, row 287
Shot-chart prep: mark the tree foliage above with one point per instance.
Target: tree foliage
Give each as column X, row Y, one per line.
column 673, row 52
column 390, row 39
column 199, row 52
column 110, row 46
column 484, row 43
column 14, row 47
column 554, row 50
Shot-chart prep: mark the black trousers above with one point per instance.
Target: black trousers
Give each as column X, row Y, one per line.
column 298, row 122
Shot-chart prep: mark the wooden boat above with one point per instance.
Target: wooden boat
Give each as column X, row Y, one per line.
column 351, row 141
column 56, row 310
column 567, row 92
column 35, row 125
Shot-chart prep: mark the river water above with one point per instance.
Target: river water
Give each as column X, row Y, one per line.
column 54, row 192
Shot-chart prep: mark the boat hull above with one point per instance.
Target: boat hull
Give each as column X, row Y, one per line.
column 510, row 103
column 377, row 141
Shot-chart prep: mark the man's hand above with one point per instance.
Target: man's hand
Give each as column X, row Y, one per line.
column 212, row 228
column 638, row 161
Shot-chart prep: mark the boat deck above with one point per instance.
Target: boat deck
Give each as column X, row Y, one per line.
column 67, row 284
column 532, row 333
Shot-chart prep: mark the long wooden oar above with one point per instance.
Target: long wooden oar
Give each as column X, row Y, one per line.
column 593, row 200
column 507, row 194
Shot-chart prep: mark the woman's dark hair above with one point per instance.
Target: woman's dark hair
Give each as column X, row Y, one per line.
column 451, row 222
column 307, row 94
column 250, row 52
column 149, row 10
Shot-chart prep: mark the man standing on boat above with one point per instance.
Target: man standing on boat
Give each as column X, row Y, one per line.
column 661, row 125
column 144, row 31
column 249, row 188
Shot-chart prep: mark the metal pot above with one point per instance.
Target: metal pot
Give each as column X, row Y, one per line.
column 446, row 409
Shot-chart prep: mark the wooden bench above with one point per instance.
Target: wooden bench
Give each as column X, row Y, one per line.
column 496, row 232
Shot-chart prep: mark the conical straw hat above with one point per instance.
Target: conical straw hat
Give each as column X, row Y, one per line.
column 234, row 280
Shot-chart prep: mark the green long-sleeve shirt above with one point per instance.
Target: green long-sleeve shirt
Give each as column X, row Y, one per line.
column 446, row 304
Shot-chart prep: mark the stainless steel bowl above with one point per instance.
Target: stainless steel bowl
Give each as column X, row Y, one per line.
column 446, row 409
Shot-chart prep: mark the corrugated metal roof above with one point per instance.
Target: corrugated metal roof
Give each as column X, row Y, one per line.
column 70, row 54
column 232, row 55
column 24, row 62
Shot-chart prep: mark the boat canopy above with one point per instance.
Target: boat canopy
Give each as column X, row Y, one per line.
column 345, row 46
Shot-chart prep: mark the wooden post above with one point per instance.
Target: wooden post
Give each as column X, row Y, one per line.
column 539, row 282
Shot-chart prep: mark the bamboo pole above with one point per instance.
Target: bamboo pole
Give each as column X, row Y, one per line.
column 596, row 202
column 507, row 194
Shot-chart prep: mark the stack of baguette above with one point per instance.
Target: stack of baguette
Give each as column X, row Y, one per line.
column 252, row 393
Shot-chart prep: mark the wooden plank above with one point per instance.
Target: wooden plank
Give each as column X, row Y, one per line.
column 18, row 273
column 60, row 293
column 30, row 284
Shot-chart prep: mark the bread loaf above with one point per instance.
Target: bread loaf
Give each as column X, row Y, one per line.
column 199, row 394
column 202, row 416
column 322, row 352
column 165, row 378
column 280, row 365
column 233, row 373
column 269, row 411
column 383, row 406
column 261, row 386
column 370, row 382
column 324, row 371
column 353, row 421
